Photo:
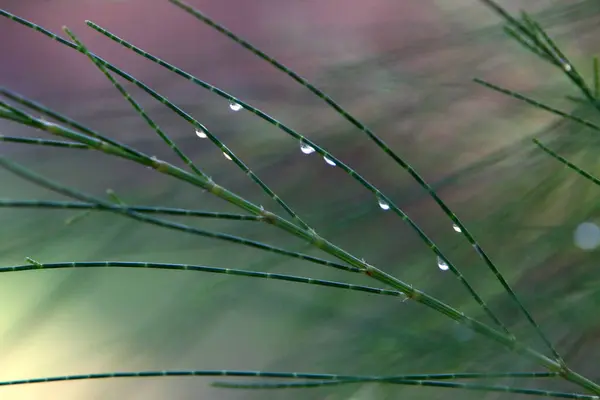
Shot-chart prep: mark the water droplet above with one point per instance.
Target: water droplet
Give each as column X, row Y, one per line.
column 235, row 106
column 587, row 236
column 442, row 264
column 383, row 204
column 201, row 134
column 329, row 161
column 567, row 67
column 456, row 228
column 306, row 149
column 227, row 156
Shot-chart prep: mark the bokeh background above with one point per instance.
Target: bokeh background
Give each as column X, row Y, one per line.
column 403, row 67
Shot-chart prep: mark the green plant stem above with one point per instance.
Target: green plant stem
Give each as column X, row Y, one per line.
column 69, row 205
column 410, row 382
column 268, row 374
column 42, row 142
column 566, row 162
column 35, row 265
column 538, row 104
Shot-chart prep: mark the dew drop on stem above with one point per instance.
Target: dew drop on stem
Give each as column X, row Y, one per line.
column 306, row 149
column 456, row 228
column 443, row 265
column 383, row 204
column 235, row 106
column 329, row 161
column 227, row 156
column 201, row 134
column 566, row 66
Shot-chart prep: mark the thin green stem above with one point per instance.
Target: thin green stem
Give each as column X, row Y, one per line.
column 42, row 142
column 256, row 374
column 8, row 203
column 198, row 268
column 409, row 382
column 11, row 116
column 569, row 164
column 537, row 104
column 510, row 31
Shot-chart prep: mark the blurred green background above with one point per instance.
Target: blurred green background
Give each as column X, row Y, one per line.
column 404, row 68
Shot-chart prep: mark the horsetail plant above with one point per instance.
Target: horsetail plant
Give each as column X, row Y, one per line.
column 526, row 31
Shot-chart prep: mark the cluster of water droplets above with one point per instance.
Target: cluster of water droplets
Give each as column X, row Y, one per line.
column 304, row 148
column 443, row 265
column 202, row 135
column 308, row 149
